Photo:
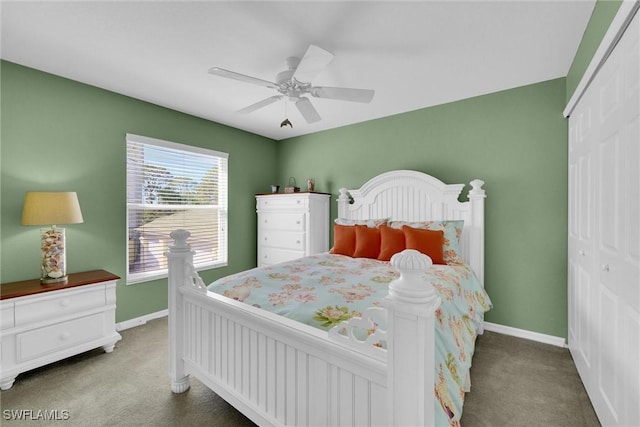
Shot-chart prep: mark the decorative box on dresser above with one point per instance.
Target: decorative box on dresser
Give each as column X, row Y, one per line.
column 291, row 225
column 41, row 324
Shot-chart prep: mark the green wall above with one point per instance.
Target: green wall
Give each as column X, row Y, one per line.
column 61, row 135
column 603, row 13
column 516, row 141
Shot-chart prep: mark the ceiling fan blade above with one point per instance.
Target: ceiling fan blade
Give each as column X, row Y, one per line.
column 307, row 110
column 343, row 93
column 260, row 104
column 241, row 77
column 313, row 61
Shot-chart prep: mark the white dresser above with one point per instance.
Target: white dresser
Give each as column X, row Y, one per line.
column 291, row 226
column 41, row 324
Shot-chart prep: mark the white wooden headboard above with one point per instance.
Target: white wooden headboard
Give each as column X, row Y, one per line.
column 406, row 195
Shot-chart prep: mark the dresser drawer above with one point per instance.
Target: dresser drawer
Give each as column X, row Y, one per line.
column 49, row 339
column 285, row 222
column 283, row 239
column 274, row 255
column 57, row 304
column 279, row 203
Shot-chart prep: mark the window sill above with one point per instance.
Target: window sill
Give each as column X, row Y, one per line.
column 159, row 275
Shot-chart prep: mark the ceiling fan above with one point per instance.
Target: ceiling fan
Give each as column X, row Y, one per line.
column 295, row 82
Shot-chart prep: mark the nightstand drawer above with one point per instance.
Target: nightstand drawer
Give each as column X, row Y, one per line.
column 58, row 304
column 58, row 337
column 287, row 222
column 285, row 240
column 279, row 203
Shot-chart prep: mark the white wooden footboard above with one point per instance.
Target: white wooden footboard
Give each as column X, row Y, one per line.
column 279, row 372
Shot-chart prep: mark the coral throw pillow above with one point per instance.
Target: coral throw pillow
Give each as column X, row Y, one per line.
column 367, row 242
column 392, row 241
column 344, row 240
column 429, row 242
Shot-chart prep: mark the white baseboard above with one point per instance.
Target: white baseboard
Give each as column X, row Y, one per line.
column 132, row 323
column 521, row 333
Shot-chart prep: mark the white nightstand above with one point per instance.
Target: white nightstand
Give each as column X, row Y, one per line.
column 41, row 324
column 291, row 226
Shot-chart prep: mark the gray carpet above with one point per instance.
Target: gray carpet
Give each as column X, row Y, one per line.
column 515, row 382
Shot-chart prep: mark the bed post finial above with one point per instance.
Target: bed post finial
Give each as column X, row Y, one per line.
column 411, row 306
column 180, row 238
column 476, row 189
column 343, row 202
column 409, row 287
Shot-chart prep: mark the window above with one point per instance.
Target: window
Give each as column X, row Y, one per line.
column 172, row 186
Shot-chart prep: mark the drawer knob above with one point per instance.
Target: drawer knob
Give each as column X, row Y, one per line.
column 265, row 239
column 299, row 201
column 297, row 222
column 65, row 336
column 582, row 253
column 605, row 268
column 298, row 241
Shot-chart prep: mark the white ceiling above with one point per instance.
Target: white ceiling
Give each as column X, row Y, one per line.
column 414, row 54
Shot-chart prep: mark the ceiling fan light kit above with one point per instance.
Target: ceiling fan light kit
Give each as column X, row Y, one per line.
column 295, row 82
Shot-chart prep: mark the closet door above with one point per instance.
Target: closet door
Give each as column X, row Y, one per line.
column 604, row 234
column 581, row 285
column 617, row 252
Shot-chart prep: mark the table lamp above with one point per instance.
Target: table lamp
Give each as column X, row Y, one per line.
column 52, row 208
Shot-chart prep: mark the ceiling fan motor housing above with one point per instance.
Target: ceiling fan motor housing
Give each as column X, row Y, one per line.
column 284, row 76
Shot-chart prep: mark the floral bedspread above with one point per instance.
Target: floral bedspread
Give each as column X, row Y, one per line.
column 325, row 289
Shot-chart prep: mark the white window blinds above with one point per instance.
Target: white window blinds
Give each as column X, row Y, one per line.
column 172, row 186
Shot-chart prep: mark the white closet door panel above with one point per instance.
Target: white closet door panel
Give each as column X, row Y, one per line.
column 632, row 197
column 631, row 361
column 585, row 316
column 608, row 367
column 585, row 173
column 609, row 166
column 573, row 308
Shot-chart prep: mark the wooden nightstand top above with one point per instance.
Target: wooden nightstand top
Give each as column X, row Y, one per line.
column 33, row 286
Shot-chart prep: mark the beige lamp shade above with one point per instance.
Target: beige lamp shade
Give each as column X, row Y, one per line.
column 51, row 208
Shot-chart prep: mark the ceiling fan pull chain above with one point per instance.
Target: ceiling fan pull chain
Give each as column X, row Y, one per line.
column 286, row 121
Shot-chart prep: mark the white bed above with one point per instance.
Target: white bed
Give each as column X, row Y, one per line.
column 277, row 371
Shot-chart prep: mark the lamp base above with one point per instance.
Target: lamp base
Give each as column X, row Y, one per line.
column 49, row 280
column 53, row 267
